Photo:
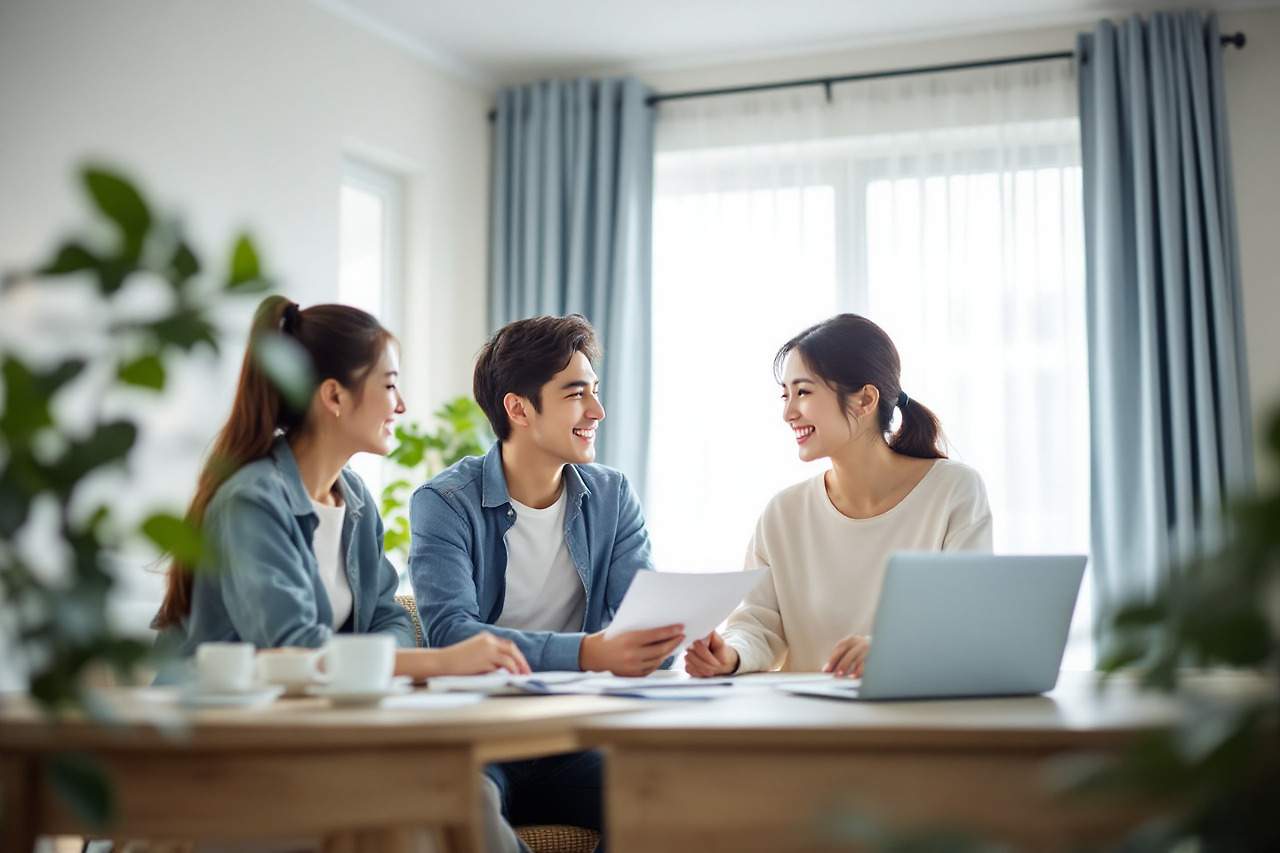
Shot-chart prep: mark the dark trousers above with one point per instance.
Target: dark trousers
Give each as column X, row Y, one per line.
column 564, row 789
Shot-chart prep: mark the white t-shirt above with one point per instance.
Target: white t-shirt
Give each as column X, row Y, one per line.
column 825, row 569
column 332, row 562
column 544, row 591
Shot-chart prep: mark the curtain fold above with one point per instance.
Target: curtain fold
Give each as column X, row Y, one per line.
column 571, row 232
column 1170, row 427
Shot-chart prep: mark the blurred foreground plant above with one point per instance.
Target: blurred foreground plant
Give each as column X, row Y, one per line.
column 147, row 305
column 1221, row 769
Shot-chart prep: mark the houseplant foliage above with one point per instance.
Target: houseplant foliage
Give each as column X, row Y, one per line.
column 462, row 430
column 1221, row 770
column 150, row 305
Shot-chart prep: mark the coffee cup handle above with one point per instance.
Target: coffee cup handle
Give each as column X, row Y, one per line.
column 318, row 674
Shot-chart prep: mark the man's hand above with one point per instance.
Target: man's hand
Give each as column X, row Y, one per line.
column 710, row 657
column 848, row 656
column 632, row 653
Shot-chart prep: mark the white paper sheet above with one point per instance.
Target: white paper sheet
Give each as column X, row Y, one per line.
column 700, row 602
column 500, row 682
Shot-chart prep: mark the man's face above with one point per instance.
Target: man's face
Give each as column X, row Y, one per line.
column 565, row 429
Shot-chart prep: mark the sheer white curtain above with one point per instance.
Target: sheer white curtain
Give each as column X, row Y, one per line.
column 944, row 207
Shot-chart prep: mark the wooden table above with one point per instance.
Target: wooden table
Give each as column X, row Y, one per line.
column 766, row 771
column 295, row 768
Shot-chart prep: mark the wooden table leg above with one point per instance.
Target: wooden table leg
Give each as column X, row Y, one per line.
column 17, row 804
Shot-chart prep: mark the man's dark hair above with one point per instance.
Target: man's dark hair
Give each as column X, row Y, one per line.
column 523, row 356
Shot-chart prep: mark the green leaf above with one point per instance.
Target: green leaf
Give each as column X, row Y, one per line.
column 146, row 372
column 244, row 265
column 183, row 265
column 126, row 655
column 175, row 536
column 71, row 258
column 81, row 784
column 1240, row 638
column 396, row 536
column 15, row 505
column 107, row 444
column 185, row 330
column 111, row 275
column 118, row 199
column 27, row 395
column 288, row 367
column 1141, row 615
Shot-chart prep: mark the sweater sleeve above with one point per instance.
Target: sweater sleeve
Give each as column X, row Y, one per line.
column 755, row 629
column 969, row 526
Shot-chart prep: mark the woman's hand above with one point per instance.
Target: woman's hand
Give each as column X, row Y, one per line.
column 848, row 656
column 710, row 657
column 483, row 653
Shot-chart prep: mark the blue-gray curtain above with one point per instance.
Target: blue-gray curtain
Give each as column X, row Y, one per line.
column 572, row 232
column 1170, row 430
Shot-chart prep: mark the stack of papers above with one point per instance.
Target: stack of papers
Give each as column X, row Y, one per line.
column 666, row 685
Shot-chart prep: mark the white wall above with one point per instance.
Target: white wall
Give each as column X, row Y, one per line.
column 1253, row 104
column 237, row 114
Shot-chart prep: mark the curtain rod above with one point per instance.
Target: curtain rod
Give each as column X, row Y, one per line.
column 1236, row 39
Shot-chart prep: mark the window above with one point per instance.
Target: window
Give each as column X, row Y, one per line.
column 370, row 248
column 953, row 225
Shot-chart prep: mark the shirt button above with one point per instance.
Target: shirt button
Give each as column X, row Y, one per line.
column 510, row 512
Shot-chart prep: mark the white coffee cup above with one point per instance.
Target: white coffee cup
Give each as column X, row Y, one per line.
column 224, row 667
column 291, row 666
column 359, row 663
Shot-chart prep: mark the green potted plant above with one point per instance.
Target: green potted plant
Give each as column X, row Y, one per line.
column 461, row 430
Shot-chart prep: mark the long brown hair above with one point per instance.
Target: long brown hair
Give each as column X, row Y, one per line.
column 849, row 352
column 341, row 343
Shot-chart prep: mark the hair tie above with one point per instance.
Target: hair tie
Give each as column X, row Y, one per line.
column 903, row 399
column 289, row 320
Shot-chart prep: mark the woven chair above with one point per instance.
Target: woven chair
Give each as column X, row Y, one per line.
column 407, row 602
column 557, row 838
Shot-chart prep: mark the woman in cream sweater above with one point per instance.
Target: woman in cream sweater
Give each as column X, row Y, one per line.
column 825, row 541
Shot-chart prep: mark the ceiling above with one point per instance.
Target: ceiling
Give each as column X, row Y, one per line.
column 496, row 42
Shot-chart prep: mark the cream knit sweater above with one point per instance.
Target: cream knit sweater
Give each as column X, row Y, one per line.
column 825, row 570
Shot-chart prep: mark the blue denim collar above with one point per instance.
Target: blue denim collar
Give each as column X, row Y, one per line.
column 299, row 500
column 493, row 483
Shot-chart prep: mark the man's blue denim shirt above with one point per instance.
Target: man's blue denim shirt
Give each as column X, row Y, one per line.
column 263, row 584
column 458, row 553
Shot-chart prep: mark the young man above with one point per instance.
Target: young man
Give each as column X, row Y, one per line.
column 536, row 544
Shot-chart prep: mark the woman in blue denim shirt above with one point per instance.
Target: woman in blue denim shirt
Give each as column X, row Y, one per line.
column 295, row 538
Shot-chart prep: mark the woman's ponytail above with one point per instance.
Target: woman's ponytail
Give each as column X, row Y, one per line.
column 919, row 432
column 247, row 435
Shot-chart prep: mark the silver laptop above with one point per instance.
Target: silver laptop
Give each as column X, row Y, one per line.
column 964, row 624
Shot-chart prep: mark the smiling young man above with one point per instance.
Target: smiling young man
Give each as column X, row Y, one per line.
column 537, row 544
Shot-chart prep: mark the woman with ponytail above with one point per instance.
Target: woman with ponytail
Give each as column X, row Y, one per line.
column 825, row 541
column 294, row 536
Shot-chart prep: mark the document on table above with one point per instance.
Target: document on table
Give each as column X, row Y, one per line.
column 700, row 602
column 502, row 683
column 659, row 685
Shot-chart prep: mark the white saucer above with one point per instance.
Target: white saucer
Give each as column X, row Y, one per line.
column 346, row 697
column 295, row 688
column 195, row 697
